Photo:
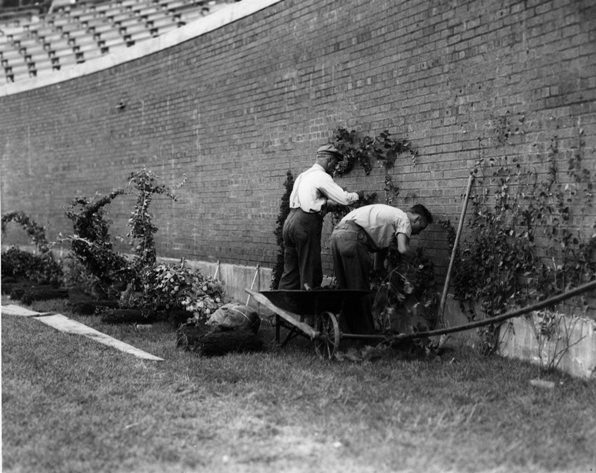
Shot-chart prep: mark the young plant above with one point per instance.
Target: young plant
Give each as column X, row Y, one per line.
column 284, row 210
column 526, row 241
column 178, row 287
column 41, row 268
column 36, row 232
column 142, row 229
column 91, row 243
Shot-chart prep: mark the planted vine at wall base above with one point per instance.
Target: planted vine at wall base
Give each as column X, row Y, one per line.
column 36, row 232
column 42, row 267
column 526, row 239
column 91, row 243
column 142, row 229
column 284, row 210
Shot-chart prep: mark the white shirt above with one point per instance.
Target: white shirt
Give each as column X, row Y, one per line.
column 381, row 222
column 312, row 189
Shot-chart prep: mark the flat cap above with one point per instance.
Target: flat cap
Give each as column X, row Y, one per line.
column 330, row 149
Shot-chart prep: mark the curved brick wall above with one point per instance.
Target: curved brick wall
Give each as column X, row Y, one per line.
column 236, row 107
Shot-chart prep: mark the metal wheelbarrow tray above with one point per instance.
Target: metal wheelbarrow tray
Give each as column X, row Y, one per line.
column 314, row 314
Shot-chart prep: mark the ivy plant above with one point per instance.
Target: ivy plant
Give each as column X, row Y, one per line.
column 42, row 267
column 91, row 243
column 284, row 210
column 525, row 239
column 36, row 232
column 179, row 287
column 142, row 228
column 362, row 149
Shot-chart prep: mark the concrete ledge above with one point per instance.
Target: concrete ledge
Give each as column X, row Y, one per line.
column 552, row 339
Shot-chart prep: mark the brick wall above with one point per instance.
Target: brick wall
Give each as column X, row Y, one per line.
column 234, row 109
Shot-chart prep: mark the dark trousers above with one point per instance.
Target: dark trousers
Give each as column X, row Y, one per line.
column 352, row 265
column 302, row 252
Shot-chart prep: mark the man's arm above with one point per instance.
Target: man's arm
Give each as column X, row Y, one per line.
column 335, row 193
column 403, row 243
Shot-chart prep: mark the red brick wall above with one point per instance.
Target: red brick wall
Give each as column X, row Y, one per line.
column 234, row 109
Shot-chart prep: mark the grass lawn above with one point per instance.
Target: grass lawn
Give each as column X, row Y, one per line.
column 70, row 404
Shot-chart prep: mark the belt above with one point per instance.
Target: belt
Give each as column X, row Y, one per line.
column 310, row 212
column 354, row 226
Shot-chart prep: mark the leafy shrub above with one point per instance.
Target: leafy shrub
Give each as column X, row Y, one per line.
column 409, row 289
column 176, row 286
column 41, row 268
column 526, row 242
column 142, row 229
column 36, row 232
column 284, row 210
column 91, row 243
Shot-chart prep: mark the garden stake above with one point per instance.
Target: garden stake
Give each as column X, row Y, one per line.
column 253, row 282
column 453, row 250
column 499, row 318
column 216, row 275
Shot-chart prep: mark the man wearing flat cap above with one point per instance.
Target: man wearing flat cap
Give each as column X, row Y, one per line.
column 313, row 189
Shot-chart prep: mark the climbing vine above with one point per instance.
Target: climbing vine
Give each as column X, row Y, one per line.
column 362, row 149
column 36, row 232
column 284, row 210
column 91, row 243
column 142, row 228
column 525, row 242
column 41, row 268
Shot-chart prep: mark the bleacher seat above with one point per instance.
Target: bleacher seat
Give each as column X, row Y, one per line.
column 37, row 43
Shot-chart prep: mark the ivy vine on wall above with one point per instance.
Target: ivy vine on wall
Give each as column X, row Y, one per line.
column 364, row 150
column 527, row 237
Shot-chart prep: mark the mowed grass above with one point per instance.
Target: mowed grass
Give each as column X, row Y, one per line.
column 70, row 404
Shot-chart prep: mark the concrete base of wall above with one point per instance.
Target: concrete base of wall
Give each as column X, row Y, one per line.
column 552, row 340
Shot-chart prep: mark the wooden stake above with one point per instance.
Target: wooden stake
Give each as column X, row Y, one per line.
column 453, row 251
column 216, row 275
column 257, row 271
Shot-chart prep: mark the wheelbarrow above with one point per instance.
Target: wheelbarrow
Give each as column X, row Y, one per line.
column 314, row 314
column 324, row 307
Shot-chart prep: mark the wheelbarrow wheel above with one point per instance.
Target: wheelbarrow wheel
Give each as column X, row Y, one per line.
column 327, row 343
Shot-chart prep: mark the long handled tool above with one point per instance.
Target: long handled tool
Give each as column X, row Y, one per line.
column 454, row 250
column 500, row 318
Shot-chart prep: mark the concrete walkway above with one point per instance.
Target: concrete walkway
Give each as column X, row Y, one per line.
column 66, row 325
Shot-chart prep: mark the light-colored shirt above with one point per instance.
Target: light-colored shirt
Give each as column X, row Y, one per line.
column 381, row 222
column 314, row 186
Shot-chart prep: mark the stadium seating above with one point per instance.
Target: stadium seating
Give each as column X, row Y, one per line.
column 35, row 44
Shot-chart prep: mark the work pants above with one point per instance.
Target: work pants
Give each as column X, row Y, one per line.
column 302, row 250
column 350, row 247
